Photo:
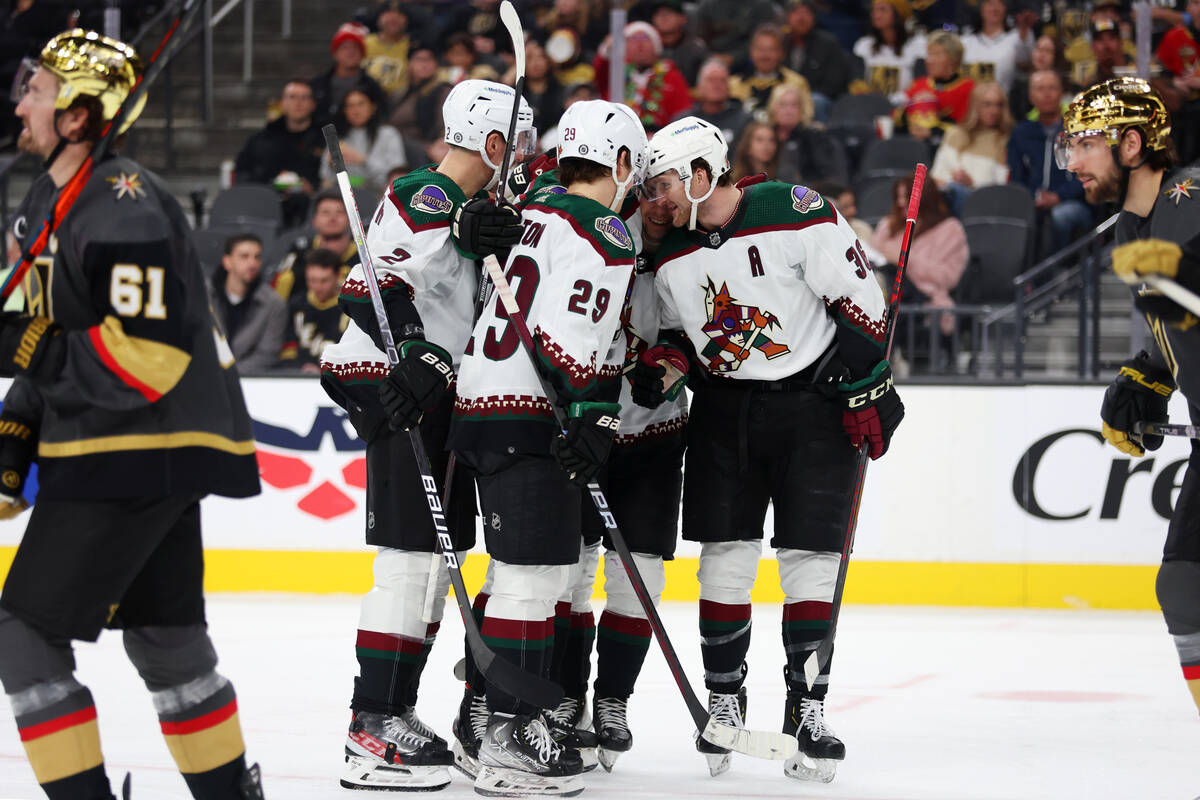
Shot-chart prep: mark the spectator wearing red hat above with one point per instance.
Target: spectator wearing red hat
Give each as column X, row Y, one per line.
column 348, row 48
column 654, row 87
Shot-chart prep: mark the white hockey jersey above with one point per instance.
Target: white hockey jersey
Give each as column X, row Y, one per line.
column 428, row 286
column 765, row 296
column 569, row 275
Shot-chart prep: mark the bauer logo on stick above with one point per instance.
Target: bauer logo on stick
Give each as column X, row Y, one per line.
column 613, row 229
column 432, row 200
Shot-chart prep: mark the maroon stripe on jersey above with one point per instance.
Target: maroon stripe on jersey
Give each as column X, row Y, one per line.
column 687, row 251
column 413, row 226
column 806, row 609
column 721, row 612
column 388, row 642
column 609, row 261
column 787, row 226
column 480, row 602
column 582, row 620
column 630, row 626
column 527, row 629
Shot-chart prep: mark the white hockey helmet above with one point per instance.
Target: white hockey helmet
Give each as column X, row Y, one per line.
column 475, row 108
column 597, row 130
column 677, row 145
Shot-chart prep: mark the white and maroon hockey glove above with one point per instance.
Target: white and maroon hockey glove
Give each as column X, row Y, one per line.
column 416, row 385
column 659, row 375
column 872, row 409
column 582, row 449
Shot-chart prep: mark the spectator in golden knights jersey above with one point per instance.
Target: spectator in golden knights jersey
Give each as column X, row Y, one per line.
column 315, row 319
column 1117, row 139
column 767, row 294
column 125, row 394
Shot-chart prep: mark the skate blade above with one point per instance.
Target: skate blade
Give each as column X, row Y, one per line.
column 504, row 782
column 464, row 763
column 718, row 763
column 805, row 768
column 370, row 775
column 608, row 758
column 590, row 758
column 759, row 744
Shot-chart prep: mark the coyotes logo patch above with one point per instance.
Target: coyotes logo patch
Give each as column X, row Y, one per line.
column 735, row 331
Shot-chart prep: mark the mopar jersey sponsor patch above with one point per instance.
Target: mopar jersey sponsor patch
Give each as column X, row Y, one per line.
column 613, row 229
column 432, row 200
column 805, row 199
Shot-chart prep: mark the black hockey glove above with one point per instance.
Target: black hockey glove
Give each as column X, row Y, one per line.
column 1139, row 394
column 582, row 450
column 872, row 409
column 483, row 228
column 17, row 441
column 416, row 385
column 651, row 383
column 31, row 346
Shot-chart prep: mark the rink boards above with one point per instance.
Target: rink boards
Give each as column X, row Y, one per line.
column 989, row 496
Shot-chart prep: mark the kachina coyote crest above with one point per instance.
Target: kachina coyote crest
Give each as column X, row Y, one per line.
column 735, row 330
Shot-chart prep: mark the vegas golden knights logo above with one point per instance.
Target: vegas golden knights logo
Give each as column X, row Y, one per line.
column 37, row 282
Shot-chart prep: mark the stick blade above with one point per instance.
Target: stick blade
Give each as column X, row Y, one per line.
column 759, row 744
column 512, row 22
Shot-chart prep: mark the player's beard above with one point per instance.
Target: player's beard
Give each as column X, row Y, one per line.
column 25, row 142
column 1104, row 188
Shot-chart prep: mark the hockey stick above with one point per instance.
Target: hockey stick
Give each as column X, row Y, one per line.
column 512, row 22
column 760, row 744
column 503, row 674
column 1167, row 429
column 69, row 193
column 1181, row 295
column 819, row 657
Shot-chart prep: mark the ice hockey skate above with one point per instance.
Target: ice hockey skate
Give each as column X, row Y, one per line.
column 519, row 758
column 729, row 709
column 469, row 727
column 385, row 753
column 569, row 723
column 613, row 736
column 820, row 750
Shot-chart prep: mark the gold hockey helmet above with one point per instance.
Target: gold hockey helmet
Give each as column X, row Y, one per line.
column 89, row 63
column 1109, row 109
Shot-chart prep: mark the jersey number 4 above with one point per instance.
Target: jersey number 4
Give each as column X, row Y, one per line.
column 138, row 292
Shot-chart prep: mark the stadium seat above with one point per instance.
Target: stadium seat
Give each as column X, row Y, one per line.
column 247, row 205
column 893, row 157
column 859, row 108
column 210, row 246
column 999, row 221
column 874, row 200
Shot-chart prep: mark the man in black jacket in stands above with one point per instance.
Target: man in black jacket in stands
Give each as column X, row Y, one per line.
column 286, row 153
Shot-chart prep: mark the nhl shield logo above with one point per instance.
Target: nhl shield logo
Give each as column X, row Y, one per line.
column 612, row 229
column 432, row 200
column 714, row 238
column 495, row 521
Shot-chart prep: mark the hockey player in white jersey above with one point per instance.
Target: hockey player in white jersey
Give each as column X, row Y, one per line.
column 569, row 274
column 426, row 234
column 766, row 293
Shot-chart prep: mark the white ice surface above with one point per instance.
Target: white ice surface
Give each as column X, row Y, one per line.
column 933, row 704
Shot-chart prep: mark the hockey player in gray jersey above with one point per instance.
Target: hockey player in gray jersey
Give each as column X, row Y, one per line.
column 767, row 295
column 569, row 275
column 426, row 234
column 127, row 396
column 1117, row 139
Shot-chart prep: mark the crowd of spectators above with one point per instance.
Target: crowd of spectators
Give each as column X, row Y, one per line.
column 980, row 84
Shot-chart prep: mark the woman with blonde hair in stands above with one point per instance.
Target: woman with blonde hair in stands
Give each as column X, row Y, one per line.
column 807, row 153
column 938, row 253
column 975, row 153
column 757, row 151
